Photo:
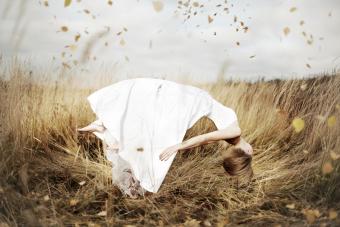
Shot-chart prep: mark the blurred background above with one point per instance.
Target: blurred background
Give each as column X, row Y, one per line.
column 200, row 40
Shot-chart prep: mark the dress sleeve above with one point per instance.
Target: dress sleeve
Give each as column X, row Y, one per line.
column 221, row 115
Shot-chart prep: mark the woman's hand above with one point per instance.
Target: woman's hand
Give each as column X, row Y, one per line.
column 167, row 153
column 245, row 146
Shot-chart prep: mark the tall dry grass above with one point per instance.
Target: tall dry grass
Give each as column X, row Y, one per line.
column 51, row 175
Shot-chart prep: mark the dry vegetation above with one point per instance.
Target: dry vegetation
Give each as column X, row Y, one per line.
column 51, row 175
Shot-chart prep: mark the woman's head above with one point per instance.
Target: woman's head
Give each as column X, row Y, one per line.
column 236, row 162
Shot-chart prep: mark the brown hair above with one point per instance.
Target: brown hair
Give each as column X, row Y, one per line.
column 238, row 163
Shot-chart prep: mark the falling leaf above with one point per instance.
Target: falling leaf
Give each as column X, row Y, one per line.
column 320, row 118
column 303, row 87
column 298, row 124
column 293, row 9
column 66, row 65
column 82, row 183
column 195, row 4
column 109, row 2
column 302, row 22
column 316, row 213
column 304, row 34
column 207, row 223
column 64, row 28
column 158, row 6
column 253, row 56
column 67, row 3
column 237, row 43
column 327, row 168
column 286, row 31
column 334, row 155
column 290, row 206
column 310, row 216
column 72, row 47
column 140, row 149
column 210, row 19
column 125, row 29
column 337, row 106
column 192, row 223
column 46, row 3
column 330, row 14
column 331, row 121
column 77, row 37
column 122, row 42
column 46, row 198
column 308, row 66
column 102, row 213
column 73, row 202
column 127, row 58
column 332, row 214
column 87, row 11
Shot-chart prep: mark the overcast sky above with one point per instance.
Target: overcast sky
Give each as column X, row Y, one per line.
column 275, row 39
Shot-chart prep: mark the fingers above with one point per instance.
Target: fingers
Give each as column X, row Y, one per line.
column 166, row 155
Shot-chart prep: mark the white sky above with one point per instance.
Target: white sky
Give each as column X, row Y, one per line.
column 162, row 44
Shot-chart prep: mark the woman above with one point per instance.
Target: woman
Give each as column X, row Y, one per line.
column 142, row 123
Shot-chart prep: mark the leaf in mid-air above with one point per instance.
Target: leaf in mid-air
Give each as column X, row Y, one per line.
column 327, row 168
column 298, row 124
column 67, row 3
column 286, row 31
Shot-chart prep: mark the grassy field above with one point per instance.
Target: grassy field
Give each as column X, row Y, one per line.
column 50, row 175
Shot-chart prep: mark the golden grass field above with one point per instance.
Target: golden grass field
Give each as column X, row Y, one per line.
column 50, row 175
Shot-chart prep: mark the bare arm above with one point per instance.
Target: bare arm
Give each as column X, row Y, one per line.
column 229, row 133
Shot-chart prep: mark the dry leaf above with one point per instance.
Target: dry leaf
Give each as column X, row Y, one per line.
column 286, row 31
column 290, row 206
column 195, row 4
column 298, row 124
column 308, row 66
column 331, row 121
column 334, row 155
column 302, row 22
column 46, row 198
column 82, row 183
column 210, row 19
column 73, row 202
column 327, row 168
column 332, row 214
column 237, row 43
column 67, row 3
column 253, row 56
column 109, row 2
column 305, row 151
column 157, row 5
column 192, row 223
column 310, row 216
column 46, row 3
column 76, row 38
column 293, row 9
column 122, row 42
column 102, row 213
column 86, row 11
column 64, row 28
column 207, row 223
column 303, row 87
column 337, row 106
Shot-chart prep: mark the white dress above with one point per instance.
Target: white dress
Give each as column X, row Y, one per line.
column 146, row 116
